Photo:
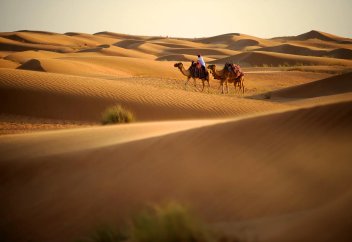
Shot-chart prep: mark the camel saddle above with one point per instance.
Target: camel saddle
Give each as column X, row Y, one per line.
column 236, row 69
column 198, row 71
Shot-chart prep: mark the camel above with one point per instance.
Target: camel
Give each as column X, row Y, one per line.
column 189, row 75
column 225, row 76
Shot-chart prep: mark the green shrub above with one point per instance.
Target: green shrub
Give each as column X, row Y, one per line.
column 105, row 234
column 117, row 114
column 171, row 223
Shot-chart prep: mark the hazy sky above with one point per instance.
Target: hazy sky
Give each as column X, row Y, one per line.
column 179, row 18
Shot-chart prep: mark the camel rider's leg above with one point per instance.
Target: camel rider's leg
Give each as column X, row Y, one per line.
column 203, row 72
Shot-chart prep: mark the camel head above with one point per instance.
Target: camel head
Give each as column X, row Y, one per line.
column 178, row 65
column 212, row 67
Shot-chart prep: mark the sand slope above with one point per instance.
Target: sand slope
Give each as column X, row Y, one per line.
column 24, row 56
column 7, row 64
column 289, row 172
column 330, row 86
column 23, row 93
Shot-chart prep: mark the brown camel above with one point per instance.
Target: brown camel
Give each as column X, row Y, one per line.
column 189, row 75
column 226, row 76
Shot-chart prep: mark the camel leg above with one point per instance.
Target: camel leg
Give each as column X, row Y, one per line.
column 187, row 82
column 242, row 84
column 238, row 84
column 195, row 83
column 227, row 87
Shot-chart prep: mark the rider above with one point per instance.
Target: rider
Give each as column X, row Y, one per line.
column 201, row 61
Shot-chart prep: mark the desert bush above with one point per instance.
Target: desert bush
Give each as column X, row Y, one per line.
column 171, row 223
column 108, row 234
column 117, row 114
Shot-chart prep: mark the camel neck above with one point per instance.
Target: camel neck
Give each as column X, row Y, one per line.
column 183, row 71
column 218, row 74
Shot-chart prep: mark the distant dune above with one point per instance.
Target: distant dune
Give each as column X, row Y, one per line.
column 260, row 58
column 24, row 56
column 317, row 35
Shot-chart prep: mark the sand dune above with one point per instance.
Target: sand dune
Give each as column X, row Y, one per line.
column 237, row 41
column 8, row 64
column 70, row 67
column 23, row 93
column 184, row 58
column 29, row 40
column 293, row 49
column 322, row 36
column 119, row 35
column 176, row 57
column 298, row 181
column 341, row 53
column 90, row 39
column 116, row 51
column 130, row 66
column 24, row 56
column 45, row 39
column 263, row 82
column 177, row 42
column 261, row 58
column 320, row 44
column 330, row 86
column 17, row 124
column 314, row 34
column 96, row 66
column 11, row 45
column 205, row 52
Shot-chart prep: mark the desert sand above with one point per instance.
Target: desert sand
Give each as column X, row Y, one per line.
column 272, row 164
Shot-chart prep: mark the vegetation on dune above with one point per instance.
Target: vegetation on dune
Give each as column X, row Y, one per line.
column 117, row 114
column 170, row 223
column 106, row 234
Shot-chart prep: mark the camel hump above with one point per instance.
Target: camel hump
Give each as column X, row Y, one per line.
column 234, row 68
column 198, row 71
